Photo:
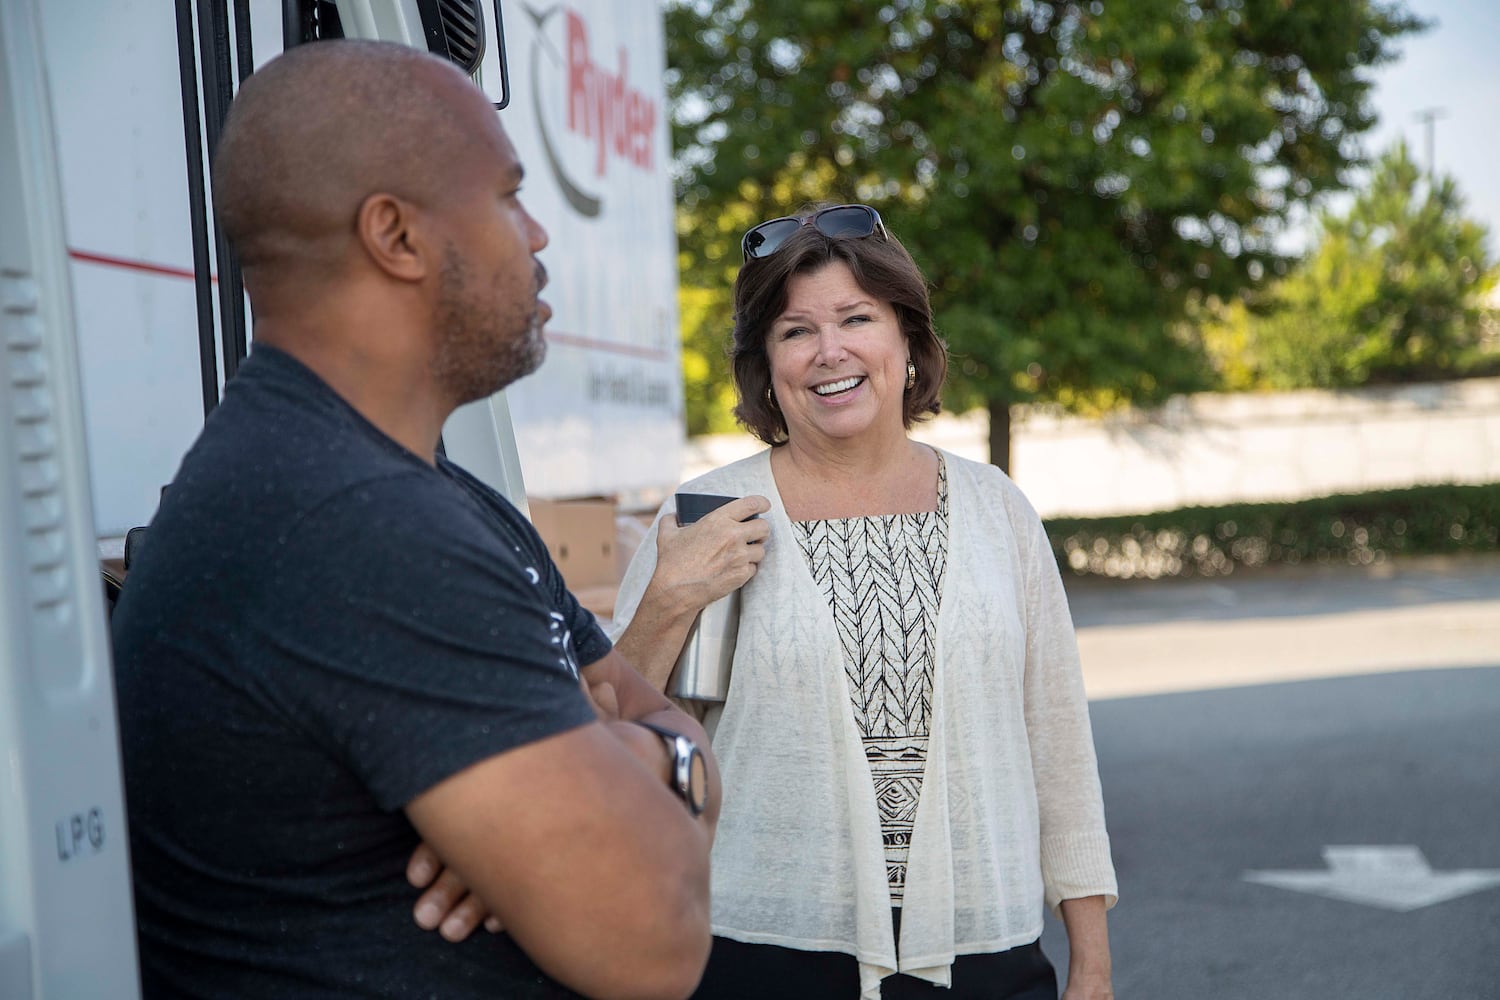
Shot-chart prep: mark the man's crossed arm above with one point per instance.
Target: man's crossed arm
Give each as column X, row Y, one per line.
column 601, row 873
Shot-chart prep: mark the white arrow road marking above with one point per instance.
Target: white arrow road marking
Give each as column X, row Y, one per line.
column 1396, row 877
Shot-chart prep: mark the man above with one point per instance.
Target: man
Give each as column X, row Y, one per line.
column 336, row 644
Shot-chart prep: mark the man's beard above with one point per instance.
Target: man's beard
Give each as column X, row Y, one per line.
column 484, row 344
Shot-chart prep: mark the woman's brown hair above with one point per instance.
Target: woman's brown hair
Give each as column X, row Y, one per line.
column 881, row 267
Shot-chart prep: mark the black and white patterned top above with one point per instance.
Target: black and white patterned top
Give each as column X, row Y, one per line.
column 883, row 577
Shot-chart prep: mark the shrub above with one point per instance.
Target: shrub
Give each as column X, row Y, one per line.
column 1356, row 529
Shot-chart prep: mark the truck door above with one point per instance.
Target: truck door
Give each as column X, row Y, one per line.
column 66, row 923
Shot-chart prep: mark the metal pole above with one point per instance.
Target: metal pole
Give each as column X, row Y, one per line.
column 244, row 53
column 291, row 23
column 218, row 89
column 1428, row 117
column 192, row 127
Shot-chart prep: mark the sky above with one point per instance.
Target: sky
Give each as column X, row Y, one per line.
column 1453, row 67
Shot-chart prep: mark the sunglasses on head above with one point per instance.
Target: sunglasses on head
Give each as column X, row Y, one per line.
column 839, row 222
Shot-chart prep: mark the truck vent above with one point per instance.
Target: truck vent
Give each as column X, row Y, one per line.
column 29, row 390
column 463, row 31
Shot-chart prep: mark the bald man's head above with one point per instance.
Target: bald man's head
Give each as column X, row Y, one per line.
column 320, row 128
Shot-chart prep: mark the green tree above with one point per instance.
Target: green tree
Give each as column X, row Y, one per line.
column 1070, row 174
column 708, row 392
column 1394, row 291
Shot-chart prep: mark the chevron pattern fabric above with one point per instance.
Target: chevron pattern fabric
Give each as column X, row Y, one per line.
column 883, row 577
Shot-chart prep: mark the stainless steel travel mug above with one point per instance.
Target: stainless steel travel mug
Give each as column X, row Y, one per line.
column 703, row 666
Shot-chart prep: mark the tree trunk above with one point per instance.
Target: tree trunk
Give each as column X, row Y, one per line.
column 1000, row 434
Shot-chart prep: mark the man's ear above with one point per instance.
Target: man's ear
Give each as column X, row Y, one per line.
column 386, row 227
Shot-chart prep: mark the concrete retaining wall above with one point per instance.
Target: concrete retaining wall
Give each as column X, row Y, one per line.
column 1217, row 448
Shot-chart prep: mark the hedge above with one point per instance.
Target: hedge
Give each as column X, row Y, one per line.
column 1355, row 529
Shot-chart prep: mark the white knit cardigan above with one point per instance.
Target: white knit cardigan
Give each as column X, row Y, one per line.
column 1010, row 813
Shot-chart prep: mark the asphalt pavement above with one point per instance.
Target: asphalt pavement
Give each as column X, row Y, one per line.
column 1291, row 623
column 1302, row 778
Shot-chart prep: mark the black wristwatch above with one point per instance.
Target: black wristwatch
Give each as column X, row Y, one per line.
column 689, row 773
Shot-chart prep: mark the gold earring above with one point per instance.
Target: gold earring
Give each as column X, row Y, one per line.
column 911, row 374
column 770, row 399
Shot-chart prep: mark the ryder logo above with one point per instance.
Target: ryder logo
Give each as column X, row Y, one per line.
column 604, row 108
column 589, row 118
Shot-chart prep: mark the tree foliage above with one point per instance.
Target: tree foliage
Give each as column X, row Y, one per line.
column 1393, row 291
column 1069, row 174
column 708, row 393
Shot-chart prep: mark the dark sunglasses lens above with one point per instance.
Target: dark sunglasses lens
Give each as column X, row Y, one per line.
column 849, row 221
column 766, row 238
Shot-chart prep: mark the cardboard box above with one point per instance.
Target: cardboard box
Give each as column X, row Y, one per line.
column 580, row 535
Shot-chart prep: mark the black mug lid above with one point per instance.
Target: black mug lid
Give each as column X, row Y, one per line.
column 692, row 506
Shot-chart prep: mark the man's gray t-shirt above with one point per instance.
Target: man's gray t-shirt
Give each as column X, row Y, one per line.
column 321, row 626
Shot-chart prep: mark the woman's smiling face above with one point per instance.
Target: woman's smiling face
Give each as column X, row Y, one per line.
column 838, row 359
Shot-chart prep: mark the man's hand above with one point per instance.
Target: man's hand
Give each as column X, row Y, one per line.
column 447, row 905
column 602, row 695
column 645, row 744
column 602, row 878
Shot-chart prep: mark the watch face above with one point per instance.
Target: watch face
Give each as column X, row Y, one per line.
column 698, row 782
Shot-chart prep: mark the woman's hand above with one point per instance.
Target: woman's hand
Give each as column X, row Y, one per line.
column 1081, row 987
column 447, row 905
column 701, row 562
column 695, row 566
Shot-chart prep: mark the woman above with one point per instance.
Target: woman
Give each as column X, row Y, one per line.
column 905, row 748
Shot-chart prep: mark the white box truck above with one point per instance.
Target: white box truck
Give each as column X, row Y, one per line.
column 121, row 316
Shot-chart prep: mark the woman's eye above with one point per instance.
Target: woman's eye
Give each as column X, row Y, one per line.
column 791, row 332
column 858, row 319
